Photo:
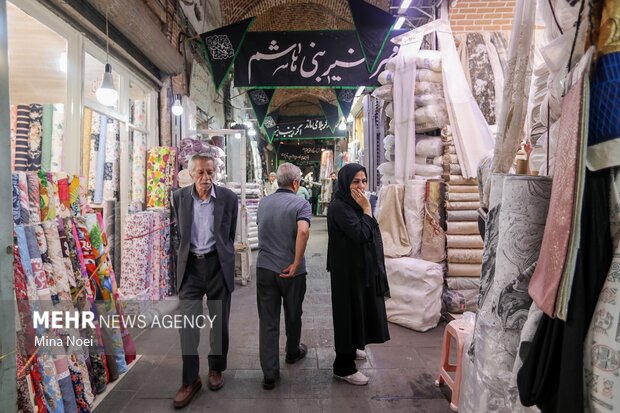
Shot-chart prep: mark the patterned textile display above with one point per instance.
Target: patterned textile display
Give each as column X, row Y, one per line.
column 86, row 140
column 46, row 144
column 47, row 198
column 456, row 206
column 111, row 171
column 463, row 196
column 482, row 79
column 138, row 168
column 463, row 270
column 58, row 127
column 463, row 216
column 22, row 132
column 13, row 134
column 415, row 194
column 463, row 228
column 463, row 283
column 465, row 256
column 35, row 137
column 95, row 131
column 433, row 236
column 524, row 207
column 601, row 357
column 161, row 175
column 464, row 241
column 559, row 244
column 101, row 157
column 34, row 202
column 391, row 221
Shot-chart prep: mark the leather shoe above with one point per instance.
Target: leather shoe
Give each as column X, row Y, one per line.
column 186, row 393
column 303, row 349
column 216, row 381
column 269, row 383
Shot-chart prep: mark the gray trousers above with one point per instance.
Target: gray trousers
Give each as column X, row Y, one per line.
column 204, row 276
column 272, row 292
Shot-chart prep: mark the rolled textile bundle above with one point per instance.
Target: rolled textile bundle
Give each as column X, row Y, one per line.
column 458, row 301
column 428, row 100
column 434, row 237
column 436, row 160
column 432, row 88
column 465, row 256
column 432, row 115
column 428, row 147
column 463, row 189
column 463, row 283
column 389, row 110
column 463, row 270
column 464, row 241
column 459, row 180
column 391, row 221
column 463, row 196
column 429, row 59
column 425, row 75
column 455, row 169
column 383, row 92
column 463, row 228
column 463, row 216
column 451, row 206
column 450, row 159
column 427, row 170
column 451, row 150
column 386, row 77
column 415, row 195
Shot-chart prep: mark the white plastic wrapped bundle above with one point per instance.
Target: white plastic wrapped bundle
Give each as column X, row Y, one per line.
column 416, row 287
column 429, row 146
column 425, row 75
column 391, row 64
column 431, row 116
column 429, row 59
column 386, row 77
column 415, row 195
column 386, row 169
column 428, row 88
column 433, row 160
column 428, row 170
column 428, row 99
column 389, row 110
column 383, row 92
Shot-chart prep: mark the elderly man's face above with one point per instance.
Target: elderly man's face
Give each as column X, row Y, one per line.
column 272, row 178
column 203, row 174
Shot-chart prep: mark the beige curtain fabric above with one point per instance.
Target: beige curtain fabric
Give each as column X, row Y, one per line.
column 392, row 221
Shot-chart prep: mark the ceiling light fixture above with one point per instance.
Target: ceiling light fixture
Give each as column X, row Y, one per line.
column 360, row 91
column 350, row 118
column 106, row 93
column 399, row 23
column 252, row 132
column 342, row 126
column 177, row 108
column 404, row 6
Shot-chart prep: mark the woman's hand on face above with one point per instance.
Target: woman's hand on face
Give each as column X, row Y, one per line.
column 360, row 198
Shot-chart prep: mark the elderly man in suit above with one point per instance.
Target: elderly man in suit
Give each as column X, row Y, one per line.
column 206, row 221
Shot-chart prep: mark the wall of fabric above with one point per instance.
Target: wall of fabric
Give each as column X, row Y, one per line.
column 36, row 137
column 161, row 176
column 62, row 263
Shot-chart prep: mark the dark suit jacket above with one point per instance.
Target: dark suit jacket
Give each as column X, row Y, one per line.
column 225, row 220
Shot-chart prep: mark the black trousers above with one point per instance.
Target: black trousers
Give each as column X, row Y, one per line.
column 344, row 365
column 273, row 291
column 204, row 276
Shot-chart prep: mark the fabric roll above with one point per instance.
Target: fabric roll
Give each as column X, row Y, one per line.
column 437, row 160
column 16, row 207
column 13, row 134
column 139, row 114
column 109, row 218
column 459, row 216
column 391, row 221
column 52, row 190
column 455, row 169
column 138, row 181
column 464, row 241
column 463, row 228
column 459, row 301
column 415, row 195
column 34, row 201
column 74, row 195
column 58, row 127
column 463, row 270
column 101, row 158
column 454, row 189
column 156, row 273
column 451, row 159
column 111, row 177
column 86, row 141
column 429, row 147
column 47, row 200
column 24, row 202
column 456, row 206
column 428, row 170
column 22, row 133
column 499, row 41
column 482, row 78
column 459, row 180
column 559, row 242
column 35, row 137
column 95, row 131
column 46, row 144
column 463, row 196
column 429, row 59
column 463, row 283
column 161, row 172
column 433, row 236
column 136, row 270
column 465, row 256
column 64, row 196
column 497, row 71
column 451, row 150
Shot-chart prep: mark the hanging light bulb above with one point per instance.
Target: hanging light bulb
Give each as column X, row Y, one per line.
column 342, row 126
column 252, row 132
column 177, row 108
column 237, row 136
column 350, row 118
column 106, row 93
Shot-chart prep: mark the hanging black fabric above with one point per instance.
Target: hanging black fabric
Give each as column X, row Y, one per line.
column 222, row 46
column 260, row 100
column 305, row 127
column 345, row 100
column 552, row 373
column 373, row 27
column 331, row 114
column 271, row 123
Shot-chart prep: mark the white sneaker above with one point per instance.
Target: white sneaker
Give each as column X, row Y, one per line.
column 358, row 378
column 360, row 355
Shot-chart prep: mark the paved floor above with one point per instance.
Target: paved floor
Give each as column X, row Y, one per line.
column 402, row 371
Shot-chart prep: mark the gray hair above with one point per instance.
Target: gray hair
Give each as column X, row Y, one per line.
column 198, row 157
column 272, row 174
column 287, row 173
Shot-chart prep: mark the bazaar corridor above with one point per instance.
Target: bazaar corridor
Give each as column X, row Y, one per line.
column 402, row 371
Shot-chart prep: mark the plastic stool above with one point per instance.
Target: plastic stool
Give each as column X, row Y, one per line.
column 459, row 330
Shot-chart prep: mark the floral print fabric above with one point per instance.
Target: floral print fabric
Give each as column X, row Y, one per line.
column 160, row 176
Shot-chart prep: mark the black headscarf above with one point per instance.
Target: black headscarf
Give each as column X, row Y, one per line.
column 345, row 177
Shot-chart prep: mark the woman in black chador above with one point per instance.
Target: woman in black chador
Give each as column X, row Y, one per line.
column 359, row 282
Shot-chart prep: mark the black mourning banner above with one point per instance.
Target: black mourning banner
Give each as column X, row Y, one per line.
column 306, row 127
column 331, row 114
column 270, row 124
column 373, row 27
column 307, row 58
column 297, row 154
column 260, row 100
column 345, row 100
column 222, row 46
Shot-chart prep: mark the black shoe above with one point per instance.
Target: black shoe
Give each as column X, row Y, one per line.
column 269, row 384
column 303, row 349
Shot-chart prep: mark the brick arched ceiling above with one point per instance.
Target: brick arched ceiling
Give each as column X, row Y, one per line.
column 283, row 15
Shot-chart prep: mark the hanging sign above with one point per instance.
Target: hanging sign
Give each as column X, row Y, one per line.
column 345, row 99
column 299, row 153
column 307, row 58
column 315, row 127
column 260, row 100
column 331, row 114
column 270, row 124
